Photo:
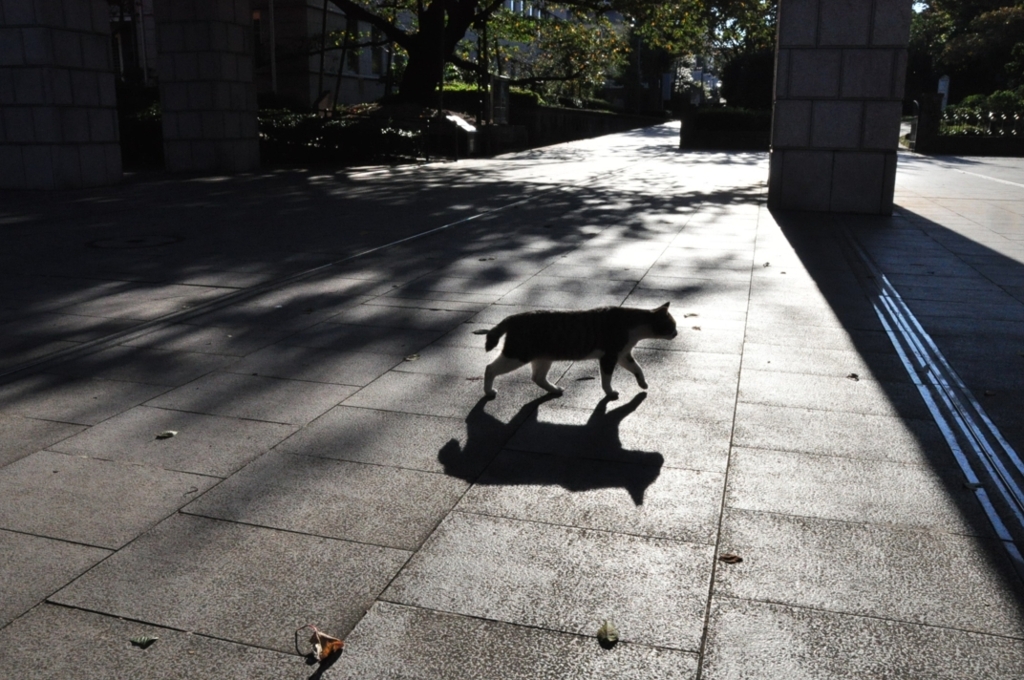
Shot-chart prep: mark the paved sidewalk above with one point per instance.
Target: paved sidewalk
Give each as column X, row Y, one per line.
column 335, row 464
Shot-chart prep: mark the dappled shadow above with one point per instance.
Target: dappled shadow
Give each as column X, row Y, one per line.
column 216, row 252
column 598, row 439
column 261, row 302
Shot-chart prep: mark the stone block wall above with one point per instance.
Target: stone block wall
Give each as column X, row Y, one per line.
column 207, row 93
column 839, row 77
column 58, row 107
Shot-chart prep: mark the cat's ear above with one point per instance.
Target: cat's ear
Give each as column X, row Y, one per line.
column 663, row 308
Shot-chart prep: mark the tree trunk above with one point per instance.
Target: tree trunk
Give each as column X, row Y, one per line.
column 421, row 78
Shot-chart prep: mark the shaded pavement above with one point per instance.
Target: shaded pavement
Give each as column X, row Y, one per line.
column 309, row 338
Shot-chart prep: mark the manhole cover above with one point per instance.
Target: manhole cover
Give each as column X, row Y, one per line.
column 128, row 242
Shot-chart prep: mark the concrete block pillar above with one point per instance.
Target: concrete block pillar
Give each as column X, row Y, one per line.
column 207, row 93
column 839, row 74
column 58, row 106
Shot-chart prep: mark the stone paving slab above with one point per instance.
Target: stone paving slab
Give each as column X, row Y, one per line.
column 832, row 393
column 561, row 578
column 20, row 436
column 763, row 640
column 426, row 301
column 828, row 362
column 641, row 499
column 254, row 397
column 401, row 317
column 439, row 395
column 143, row 365
column 837, row 433
column 66, row 327
column 32, row 568
column 818, row 337
column 395, row 641
column 204, row 445
column 16, row 350
column 374, row 504
column 234, row 341
column 914, row 576
column 90, row 501
column 83, row 401
column 97, row 646
column 144, row 305
column 459, row 446
column 375, row 339
column 462, row 362
column 629, row 435
column 852, row 490
column 315, row 365
column 249, row 585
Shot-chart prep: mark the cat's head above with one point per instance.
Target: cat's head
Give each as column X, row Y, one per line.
column 663, row 325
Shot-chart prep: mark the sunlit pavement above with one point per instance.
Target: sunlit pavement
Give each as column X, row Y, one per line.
column 308, row 338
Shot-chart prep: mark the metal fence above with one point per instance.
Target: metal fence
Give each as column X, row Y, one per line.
column 976, row 123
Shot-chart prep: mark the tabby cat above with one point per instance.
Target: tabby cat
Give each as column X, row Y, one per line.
column 607, row 334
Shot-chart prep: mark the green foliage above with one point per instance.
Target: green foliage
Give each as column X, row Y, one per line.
column 1005, row 101
column 972, row 41
column 352, row 137
column 571, row 52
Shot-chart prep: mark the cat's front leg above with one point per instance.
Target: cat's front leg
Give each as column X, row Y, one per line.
column 606, row 375
column 629, row 363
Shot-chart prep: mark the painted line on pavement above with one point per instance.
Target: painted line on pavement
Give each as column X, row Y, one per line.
column 970, row 433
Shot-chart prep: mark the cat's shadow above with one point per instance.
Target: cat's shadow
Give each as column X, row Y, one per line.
column 574, row 457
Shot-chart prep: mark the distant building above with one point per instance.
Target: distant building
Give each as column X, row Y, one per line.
column 297, row 30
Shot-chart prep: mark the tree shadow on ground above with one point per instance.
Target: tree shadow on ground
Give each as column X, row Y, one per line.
column 596, row 441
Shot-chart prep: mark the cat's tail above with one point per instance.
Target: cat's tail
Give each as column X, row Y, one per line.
column 494, row 335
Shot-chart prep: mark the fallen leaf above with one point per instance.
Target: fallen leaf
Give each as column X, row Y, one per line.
column 167, row 434
column 608, row 634
column 766, row 264
column 143, row 641
column 481, row 331
column 854, row 377
column 687, row 316
column 324, row 646
column 729, row 558
column 476, row 377
column 412, row 357
column 696, row 328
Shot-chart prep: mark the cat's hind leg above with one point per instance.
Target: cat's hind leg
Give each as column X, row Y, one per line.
column 607, row 366
column 540, row 376
column 502, row 364
column 629, row 363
